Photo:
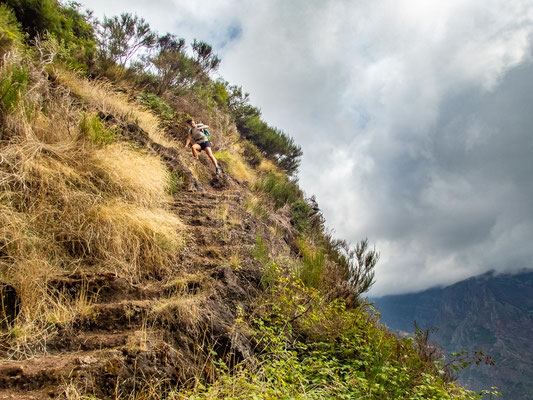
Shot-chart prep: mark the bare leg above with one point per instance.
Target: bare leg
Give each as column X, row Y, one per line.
column 195, row 147
column 211, row 156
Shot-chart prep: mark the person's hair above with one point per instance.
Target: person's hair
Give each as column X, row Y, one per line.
column 189, row 120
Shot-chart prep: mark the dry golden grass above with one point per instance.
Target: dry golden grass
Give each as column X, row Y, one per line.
column 256, row 206
column 141, row 178
column 67, row 204
column 236, row 166
column 132, row 240
column 180, row 285
column 102, row 96
column 268, row 166
column 182, row 310
column 225, row 214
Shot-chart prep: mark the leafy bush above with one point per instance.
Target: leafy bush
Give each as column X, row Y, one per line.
column 13, row 82
column 9, row 29
column 281, row 190
column 251, row 153
column 220, row 95
column 158, row 105
column 67, row 24
column 122, row 37
column 300, row 212
column 312, row 349
column 91, row 126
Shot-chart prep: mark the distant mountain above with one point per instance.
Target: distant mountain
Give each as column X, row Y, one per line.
column 492, row 313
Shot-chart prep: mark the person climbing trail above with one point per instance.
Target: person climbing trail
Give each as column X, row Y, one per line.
column 201, row 142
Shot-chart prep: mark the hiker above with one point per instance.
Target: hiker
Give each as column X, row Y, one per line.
column 201, row 142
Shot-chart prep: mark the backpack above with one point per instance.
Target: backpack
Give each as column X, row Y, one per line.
column 205, row 131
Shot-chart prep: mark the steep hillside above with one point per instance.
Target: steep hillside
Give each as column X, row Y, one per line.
column 492, row 313
column 130, row 270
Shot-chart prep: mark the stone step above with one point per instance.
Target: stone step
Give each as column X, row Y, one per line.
column 124, row 315
column 13, row 394
column 87, row 341
column 52, row 371
column 98, row 287
column 223, row 252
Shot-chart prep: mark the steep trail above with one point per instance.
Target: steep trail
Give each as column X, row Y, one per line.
column 130, row 332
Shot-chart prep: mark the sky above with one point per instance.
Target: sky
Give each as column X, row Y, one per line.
column 415, row 118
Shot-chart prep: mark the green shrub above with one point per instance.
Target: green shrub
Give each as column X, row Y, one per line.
column 251, row 153
column 91, row 126
column 13, row 82
column 309, row 348
column 158, row 105
column 67, row 24
column 176, row 182
column 300, row 212
column 281, row 190
column 10, row 34
column 312, row 266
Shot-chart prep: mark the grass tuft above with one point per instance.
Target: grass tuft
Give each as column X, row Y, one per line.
column 236, row 166
column 133, row 240
column 91, row 126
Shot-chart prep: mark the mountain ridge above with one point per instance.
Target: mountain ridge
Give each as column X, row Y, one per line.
column 490, row 312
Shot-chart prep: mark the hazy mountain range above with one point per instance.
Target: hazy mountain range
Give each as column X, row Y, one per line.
column 489, row 312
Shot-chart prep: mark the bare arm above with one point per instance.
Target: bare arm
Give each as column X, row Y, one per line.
column 188, row 140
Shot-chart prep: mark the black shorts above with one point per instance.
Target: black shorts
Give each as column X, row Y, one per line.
column 204, row 145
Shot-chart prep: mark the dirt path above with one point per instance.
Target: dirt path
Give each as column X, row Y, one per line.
column 156, row 330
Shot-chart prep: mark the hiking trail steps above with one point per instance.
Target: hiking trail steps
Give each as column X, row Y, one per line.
column 119, row 325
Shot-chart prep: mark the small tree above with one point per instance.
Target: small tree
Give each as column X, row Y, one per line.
column 361, row 263
column 121, row 37
column 205, row 56
column 173, row 68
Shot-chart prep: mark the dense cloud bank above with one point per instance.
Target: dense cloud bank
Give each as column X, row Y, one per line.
column 414, row 118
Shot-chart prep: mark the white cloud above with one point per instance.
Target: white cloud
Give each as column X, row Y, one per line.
column 413, row 116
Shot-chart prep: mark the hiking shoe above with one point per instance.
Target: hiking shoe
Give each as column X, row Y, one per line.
column 217, row 171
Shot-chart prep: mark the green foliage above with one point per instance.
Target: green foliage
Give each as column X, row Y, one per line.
column 205, row 56
column 176, row 182
column 312, row 267
column 173, row 68
column 67, row 24
column 300, row 212
column 10, row 34
column 251, row 153
column 312, row 349
column 361, row 263
column 123, row 36
column 220, row 95
column 38, row 16
column 158, row 105
column 273, row 142
column 91, row 126
column 13, row 83
column 281, row 190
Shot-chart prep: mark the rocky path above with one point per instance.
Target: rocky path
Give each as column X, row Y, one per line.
column 131, row 333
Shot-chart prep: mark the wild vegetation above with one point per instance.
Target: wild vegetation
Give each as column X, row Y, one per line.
column 129, row 271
